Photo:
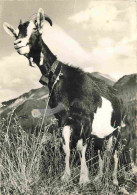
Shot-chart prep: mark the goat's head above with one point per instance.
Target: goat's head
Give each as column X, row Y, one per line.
column 27, row 33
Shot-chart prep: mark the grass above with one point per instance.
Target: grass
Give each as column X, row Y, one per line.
column 33, row 165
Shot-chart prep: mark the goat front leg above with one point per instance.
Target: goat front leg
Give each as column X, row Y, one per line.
column 115, row 180
column 84, row 173
column 101, row 165
column 66, row 136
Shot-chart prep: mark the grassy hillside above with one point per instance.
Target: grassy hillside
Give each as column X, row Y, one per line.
column 32, row 163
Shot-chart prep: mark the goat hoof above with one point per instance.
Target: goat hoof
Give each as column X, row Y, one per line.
column 65, row 177
column 115, row 182
column 96, row 178
column 83, row 180
column 124, row 191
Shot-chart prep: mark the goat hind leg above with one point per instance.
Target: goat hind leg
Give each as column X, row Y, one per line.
column 101, row 165
column 115, row 180
column 84, row 173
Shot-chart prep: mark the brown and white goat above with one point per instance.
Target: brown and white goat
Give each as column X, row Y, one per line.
column 86, row 108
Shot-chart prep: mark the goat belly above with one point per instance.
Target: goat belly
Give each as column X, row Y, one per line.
column 101, row 125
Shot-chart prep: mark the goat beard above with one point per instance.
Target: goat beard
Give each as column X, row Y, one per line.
column 31, row 62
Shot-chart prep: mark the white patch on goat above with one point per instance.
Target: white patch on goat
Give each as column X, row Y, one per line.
column 41, row 59
column 30, row 28
column 66, row 135
column 17, row 31
column 22, row 45
column 84, row 178
column 101, row 126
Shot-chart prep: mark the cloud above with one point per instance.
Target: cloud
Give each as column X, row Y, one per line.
column 64, row 47
column 0, row 13
column 99, row 16
column 109, row 56
column 16, row 77
column 99, row 12
column 106, row 17
column 112, row 26
column 82, row 16
column 115, row 56
column 7, row 94
column 69, row 50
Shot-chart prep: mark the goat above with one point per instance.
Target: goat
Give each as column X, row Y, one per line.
column 83, row 101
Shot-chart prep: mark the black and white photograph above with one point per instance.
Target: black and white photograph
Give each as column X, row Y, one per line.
column 68, row 72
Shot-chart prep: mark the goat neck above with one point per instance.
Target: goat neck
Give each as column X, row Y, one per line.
column 38, row 49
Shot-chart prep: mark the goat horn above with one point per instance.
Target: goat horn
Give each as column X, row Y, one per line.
column 48, row 19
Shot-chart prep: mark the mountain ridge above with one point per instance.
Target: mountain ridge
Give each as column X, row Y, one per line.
column 37, row 99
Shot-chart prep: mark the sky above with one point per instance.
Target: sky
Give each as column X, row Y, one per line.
column 97, row 36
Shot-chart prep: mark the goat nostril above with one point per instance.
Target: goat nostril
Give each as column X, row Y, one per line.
column 19, row 42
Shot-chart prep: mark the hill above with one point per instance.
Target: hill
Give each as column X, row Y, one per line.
column 22, row 107
column 37, row 99
column 34, row 164
column 110, row 81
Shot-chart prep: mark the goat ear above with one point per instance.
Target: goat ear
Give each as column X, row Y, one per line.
column 9, row 29
column 40, row 18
